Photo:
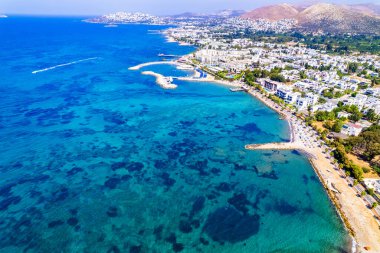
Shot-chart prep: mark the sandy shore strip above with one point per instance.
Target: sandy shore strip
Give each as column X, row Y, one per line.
column 137, row 67
column 161, row 80
column 355, row 213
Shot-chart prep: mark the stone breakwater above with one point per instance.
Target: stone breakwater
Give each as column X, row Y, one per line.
column 161, row 80
column 137, row 67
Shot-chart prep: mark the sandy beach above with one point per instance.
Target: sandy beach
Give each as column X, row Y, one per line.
column 354, row 211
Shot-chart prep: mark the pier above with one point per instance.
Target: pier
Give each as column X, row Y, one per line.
column 137, row 67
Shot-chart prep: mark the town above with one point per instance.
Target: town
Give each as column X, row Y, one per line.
column 330, row 99
column 341, row 92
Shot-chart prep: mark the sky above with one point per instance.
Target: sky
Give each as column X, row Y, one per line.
column 156, row 7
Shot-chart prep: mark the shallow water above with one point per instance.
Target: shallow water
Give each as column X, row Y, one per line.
column 97, row 158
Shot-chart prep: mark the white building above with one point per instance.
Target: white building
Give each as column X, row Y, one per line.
column 351, row 129
column 373, row 183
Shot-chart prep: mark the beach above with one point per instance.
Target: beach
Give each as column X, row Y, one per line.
column 354, row 212
column 358, row 218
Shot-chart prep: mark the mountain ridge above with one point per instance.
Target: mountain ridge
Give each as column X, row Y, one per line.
column 325, row 17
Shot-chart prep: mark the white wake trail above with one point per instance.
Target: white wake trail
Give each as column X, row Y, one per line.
column 62, row 65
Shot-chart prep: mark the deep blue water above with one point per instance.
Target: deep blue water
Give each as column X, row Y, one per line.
column 97, row 158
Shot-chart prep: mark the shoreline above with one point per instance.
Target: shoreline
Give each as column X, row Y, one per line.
column 355, row 215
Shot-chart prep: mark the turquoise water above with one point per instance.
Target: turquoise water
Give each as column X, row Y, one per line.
column 97, row 158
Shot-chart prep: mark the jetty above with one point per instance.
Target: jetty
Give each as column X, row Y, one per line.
column 164, row 82
column 137, row 67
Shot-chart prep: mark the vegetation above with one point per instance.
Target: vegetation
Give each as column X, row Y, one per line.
column 338, row 44
column 366, row 145
column 277, row 77
column 351, row 169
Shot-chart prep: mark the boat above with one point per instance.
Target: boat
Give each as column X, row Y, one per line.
column 3, row 16
column 110, row 25
column 236, row 89
column 185, row 67
column 167, row 55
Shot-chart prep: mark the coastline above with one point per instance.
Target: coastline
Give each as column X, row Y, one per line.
column 357, row 218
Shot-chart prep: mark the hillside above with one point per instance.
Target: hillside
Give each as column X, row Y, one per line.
column 273, row 12
column 324, row 17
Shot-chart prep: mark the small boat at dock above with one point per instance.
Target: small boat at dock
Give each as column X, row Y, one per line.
column 236, row 89
column 167, row 55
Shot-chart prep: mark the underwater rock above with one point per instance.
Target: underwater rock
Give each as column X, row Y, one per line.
column 135, row 249
column 159, row 164
column 113, row 249
column 250, row 127
column 112, row 182
column 171, row 238
column 112, row 211
column 215, row 171
column 284, row 208
column 226, row 224
column 305, row 179
column 158, row 232
column 240, row 202
column 135, row 166
column 185, row 226
column 72, row 221
column 204, row 241
column 224, row 187
column 200, row 166
column 6, row 189
column 178, row 247
column 14, row 200
column 197, row 205
column 187, row 123
column 118, row 165
column 172, row 134
column 55, row 223
column 74, row 171
column 60, row 195
column 239, row 167
column 167, row 180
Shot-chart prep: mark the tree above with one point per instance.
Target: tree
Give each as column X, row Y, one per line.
column 337, row 127
column 357, row 172
column 302, row 74
column 277, row 77
column 355, row 116
column 352, row 67
column 321, row 100
column 371, row 115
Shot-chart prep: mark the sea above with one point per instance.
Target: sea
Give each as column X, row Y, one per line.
column 98, row 158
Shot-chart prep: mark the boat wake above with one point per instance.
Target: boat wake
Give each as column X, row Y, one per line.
column 63, row 65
